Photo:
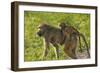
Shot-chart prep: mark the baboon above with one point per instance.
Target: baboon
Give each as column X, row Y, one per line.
column 51, row 35
column 71, row 34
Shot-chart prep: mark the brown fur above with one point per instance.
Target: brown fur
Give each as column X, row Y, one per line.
column 51, row 35
column 71, row 34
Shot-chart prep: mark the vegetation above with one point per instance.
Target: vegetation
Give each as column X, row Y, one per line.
column 33, row 47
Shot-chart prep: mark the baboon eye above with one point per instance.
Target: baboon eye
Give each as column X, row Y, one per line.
column 39, row 27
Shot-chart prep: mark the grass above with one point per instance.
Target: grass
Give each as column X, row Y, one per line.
column 33, row 47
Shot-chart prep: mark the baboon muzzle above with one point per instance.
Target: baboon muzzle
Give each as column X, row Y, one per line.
column 39, row 33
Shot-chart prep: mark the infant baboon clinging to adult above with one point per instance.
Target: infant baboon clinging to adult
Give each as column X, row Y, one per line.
column 71, row 34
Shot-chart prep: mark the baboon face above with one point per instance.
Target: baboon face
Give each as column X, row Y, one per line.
column 40, row 33
column 64, row 28
column 42, row 29
column 66, row 31
column 62, row 25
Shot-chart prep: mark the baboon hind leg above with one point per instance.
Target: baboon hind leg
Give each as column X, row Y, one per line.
column 74, row 53
column 73, row 46
column 70, row 53
column 70, row 47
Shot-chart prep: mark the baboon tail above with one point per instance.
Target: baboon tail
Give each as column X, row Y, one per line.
column 80, row 45
column 85, row 44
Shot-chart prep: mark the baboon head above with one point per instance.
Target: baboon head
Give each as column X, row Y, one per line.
column 65, row 28
column 42, row 29
column 62, row 25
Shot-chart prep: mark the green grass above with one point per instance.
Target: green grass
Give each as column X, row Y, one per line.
column 33, row 47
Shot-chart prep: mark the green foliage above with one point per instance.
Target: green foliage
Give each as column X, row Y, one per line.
column 33, row 47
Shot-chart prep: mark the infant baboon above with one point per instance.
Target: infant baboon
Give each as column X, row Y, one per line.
column 71, row 34
column 51, row 35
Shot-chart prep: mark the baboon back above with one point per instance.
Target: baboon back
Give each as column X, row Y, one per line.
column 54, row 35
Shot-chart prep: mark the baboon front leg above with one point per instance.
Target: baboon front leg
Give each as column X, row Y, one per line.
column 56, row 50
column 46, row 49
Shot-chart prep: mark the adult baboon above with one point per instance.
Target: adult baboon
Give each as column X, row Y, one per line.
column 51, row 35
column 71, row 34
